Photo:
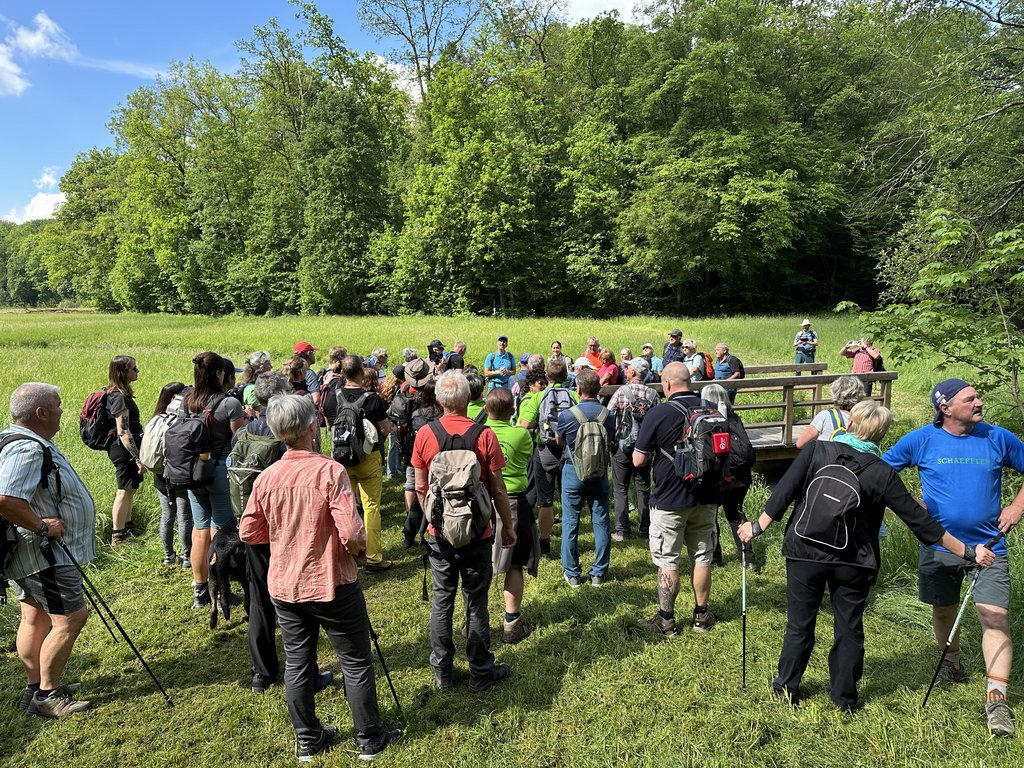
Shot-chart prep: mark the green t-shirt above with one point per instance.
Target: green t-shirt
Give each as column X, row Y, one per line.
column 529, row 408
column 474, row 408
column 517, row 447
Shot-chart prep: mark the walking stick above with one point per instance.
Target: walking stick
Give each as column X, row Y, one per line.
column 384, row 666
column 956, row 624
column 743, row 561
column 98, row 598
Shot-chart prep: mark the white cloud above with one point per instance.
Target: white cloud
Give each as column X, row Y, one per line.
column 46, row 40
column 48, row 179
column 11, row 81
column 42, row 206
column 588, row 9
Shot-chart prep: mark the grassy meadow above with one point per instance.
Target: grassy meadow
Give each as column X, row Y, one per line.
column 588, row 688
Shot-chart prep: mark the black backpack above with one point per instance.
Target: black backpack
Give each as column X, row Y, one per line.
column 403, row 405
column 95, row 424
column 348, row 432
column 701, row 456
column 742, row 455
column 834, row 490
column 9, row 538
column 187, row 443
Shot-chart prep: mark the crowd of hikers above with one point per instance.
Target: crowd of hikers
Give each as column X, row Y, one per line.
column 282, row 468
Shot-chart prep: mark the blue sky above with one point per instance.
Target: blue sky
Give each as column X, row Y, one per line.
column 66, row 64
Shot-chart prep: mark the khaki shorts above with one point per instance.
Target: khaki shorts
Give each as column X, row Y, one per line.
column 672, row 529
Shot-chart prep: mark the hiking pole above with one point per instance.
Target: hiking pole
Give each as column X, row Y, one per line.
column 959, row 616
column 98, row 612
column 98, row 597
column 743, row 561
column 384, row 666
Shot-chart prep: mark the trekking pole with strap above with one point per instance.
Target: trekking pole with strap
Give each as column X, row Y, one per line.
column 743, row 559
column 384, row 666
column 89, row 586
column 959, row 616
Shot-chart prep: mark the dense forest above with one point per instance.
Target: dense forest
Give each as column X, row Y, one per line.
column 709, row 156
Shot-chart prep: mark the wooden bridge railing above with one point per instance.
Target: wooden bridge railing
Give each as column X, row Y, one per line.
column 776, row 439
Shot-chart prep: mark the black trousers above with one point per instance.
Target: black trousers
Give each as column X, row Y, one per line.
column 471, row 566
column 347, row 627
column 848, row 588
column 622, row 472
column 732, row 505
column 413, row 520
column 262, row 616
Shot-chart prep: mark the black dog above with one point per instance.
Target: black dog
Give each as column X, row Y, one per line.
column 227, row 562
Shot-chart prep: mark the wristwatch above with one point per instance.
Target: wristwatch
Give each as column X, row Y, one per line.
column 970, row 552
column 755, row 528
column 43, row 530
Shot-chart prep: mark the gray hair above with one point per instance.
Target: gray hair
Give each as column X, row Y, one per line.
column 289, row 417
column 379, row 352
column 459, row 348
column 29, row 396
column 269, row 384
column 452, row 391
column 723, row 345
column 535, row 362
column 715, row 393
column 409, row 354
column 846, row 392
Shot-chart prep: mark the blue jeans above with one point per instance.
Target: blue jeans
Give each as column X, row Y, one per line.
column 575, row 494
column 211, row 503
column 395, row 471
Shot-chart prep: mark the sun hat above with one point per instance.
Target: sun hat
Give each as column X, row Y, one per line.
column 417, row 372
column 582, row 362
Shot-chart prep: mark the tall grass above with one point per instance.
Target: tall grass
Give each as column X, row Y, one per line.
column 588, row 688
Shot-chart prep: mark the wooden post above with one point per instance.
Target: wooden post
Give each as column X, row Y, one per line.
column 886, row 393
column 817, row 395
column 787, row 414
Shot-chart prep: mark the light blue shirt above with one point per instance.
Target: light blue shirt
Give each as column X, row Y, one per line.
column 21, row 466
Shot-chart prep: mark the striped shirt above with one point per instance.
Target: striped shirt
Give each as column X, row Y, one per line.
column 303, row 507
column 21, row 466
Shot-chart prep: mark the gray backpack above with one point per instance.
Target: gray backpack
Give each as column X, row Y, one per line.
column 457, row 502
column 591, row 454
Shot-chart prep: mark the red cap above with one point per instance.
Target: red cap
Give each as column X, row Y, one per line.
column 304, row 346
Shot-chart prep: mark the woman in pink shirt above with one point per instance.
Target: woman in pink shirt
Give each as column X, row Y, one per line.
column 303, row 506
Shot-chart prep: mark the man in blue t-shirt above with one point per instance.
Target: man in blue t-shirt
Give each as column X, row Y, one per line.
column 500, row 365
column 960, row 459
column 576, row 493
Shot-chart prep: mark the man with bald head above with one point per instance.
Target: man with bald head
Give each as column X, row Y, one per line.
column 43, row 496
column 679, row 517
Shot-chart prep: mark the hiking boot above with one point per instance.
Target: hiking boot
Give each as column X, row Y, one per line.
column 951, row 674
column 131, row 529
column 660, row 625
column 383, row 565
column 117, row 538
column 498, row 673
column 515, row 631
column 573, row 581
column 619, row 536
column 789, row 698
column 200, row 595
column 597, row 581
column 186, row 564
column 408, row 543
column 443, row 681
column 260, row 683
column 703, row 622
column 308, row 750
column 1000, row 718
column 27, row 694
column 61, row 703
column 371, row 751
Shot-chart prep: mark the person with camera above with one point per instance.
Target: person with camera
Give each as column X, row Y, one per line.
column 43, row 496
column 866, row 357
column 806, row 343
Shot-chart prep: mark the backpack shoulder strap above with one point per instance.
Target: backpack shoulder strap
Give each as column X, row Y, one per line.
column 679, row 407
column 602, row 417
column 440, row 434
column 837, row 421
column 630, row 394
column 472, row 435
column 580, row 417
column 208, row 410
column 48, row 464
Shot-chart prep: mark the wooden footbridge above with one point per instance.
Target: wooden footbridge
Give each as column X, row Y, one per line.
column 777, row 402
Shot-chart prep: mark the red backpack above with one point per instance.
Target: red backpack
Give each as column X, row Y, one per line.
column 95, row 424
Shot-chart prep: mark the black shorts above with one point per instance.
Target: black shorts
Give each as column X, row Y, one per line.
column 547, row 471
column 126, row 470
column 526, row 551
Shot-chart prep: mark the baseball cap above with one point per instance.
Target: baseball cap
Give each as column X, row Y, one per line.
column 503, row 338
column 231, row 363
column 640, row 365
column 305, row 346
column 582, row 362
column 647, row 346
column 675, row 333
column 258, row 359
column 943, row 392
column 524, row 358
column 436, row 343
